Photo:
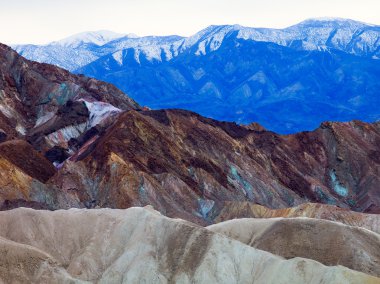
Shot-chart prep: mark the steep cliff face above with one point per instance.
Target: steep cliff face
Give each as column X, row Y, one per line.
column 108, row 152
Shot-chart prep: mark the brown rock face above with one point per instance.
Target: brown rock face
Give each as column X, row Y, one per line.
column 183, row 164
column 31, row 90
column 189, row 166
column 22, row 155
column 46, row 106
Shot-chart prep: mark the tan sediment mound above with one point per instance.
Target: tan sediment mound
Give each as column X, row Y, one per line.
column 235, row 210
column 141, row 246
column 330, row 243
column 24, row 264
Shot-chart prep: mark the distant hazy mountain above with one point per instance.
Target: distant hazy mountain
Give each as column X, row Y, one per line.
column 288, row 80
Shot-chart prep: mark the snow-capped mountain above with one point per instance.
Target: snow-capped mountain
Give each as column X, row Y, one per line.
column 316, row 34
column 287, row 79
column 285, row 90
column 98, row 38
column 79, row 50
column 72, row 52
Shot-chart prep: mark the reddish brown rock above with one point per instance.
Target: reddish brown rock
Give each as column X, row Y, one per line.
column 31, row 90
column 22, row 155
column 189, row 166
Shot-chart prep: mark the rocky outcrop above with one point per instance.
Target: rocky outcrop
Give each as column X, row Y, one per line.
column 140, row 245
column 32, row 93
column 45, row 106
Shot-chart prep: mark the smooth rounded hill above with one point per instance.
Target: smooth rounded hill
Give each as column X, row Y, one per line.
column 139, row 245
column 236, row 210
column 328, row 242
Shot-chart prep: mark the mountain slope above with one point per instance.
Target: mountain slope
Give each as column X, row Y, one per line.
column 188, row 166
column 245, row 81
column 288, row 80
column 110, row 153
column 79, row 50
column 140, row 245
column 310, row 238
column 31, row 91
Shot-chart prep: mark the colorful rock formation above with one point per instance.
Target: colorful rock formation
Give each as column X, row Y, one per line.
column 108, row 152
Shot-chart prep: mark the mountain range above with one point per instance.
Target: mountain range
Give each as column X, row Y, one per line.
column 287, row 80
column 73, row 141
column 232, row 203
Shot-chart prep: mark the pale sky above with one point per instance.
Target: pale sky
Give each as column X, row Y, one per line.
column 43, row 21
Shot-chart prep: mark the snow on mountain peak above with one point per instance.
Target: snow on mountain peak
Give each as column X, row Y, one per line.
column 210, row 37
column 314, row 34
column 95, row 37
column 329, row 21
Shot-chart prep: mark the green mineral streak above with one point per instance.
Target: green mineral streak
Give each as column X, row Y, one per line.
column 143, row 194
column 61, row 96
column 40, row 193
column 246, row 185
column 62, row 86
column 65, row 94
column 324, row 197
column 338, row 188
column 191, row 172
column 289, row 199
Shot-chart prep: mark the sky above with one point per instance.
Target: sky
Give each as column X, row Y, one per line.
column 43, row 21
